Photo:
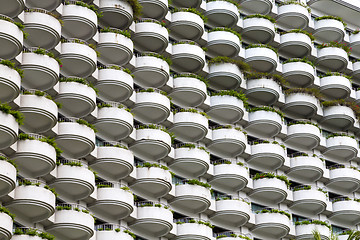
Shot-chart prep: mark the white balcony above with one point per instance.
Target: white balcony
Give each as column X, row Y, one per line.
column 222, row 13
column 267, row 155
column 295, row 44
column 13, row 8
column 79, row 22
column 266, row 123
column 328, row 30
column 40, row 71
column 115, row 162
column 190, row 126
column 155, row 9
column 355, row 43
column 9, row 84
column 227, row 109
column 72, row 224
column 192, row 198
column 114, row 48
column 151, row 144
column 11, row 38
column 269, row 189
column 265, row 91
column 8, row 130
column 153, row 220
column 235, row 212
column 48, row 5
column 186, row 25
column 40, row 113
column 332, row 59
column 191, row 161
column 344, row 179
column 274, row 225
column 303, row 134
column 258, row 30
column 257, row 6
column 301, row 104
column 113, row 200
column 150, row 35
column 293, row 16
column 223, row 43
column 78, row 59
column 311, row 201
column 114, row 85
column 187, row 3
column 188, row 57
column 76, row 140
column 152, row 181
column 224, row 76
column 356, row 70
column 299, row 74
column 6, row 225
column 151, row 71
column 228, row 142
column 190, row 231
column 114, row 122
column 340, row 117
column 7, row 177
column 343, row 148
column 112, row 231
column 305, row 232
column 75, row 182
column 262, row 59
column 306, row 168
column 151, row 107
column 336, row 87
column 229, row 175
column 116, row 13
column 346, row 210
column 44, row 29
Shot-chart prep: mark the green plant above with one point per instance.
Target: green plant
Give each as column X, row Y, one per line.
column 261, row 16
column 312, row 38
column 149, row 165
column 6, row 211
column 297, row 3
column 262, row 46
column 342, row 102
column 339, row 135
column 298, row 188
column 272, row 175
column 70, row 163
column 41, row 94
column 167, row 60
column 51, row 190
column 331, row 17
column 83, row 122
column 316, row 222
column 197, row 182
column 225, row 29
column 334, row 44
column 42, row 51
column 82, row 4
column 222, row 59
column 125, row 33
column 50, row 141
column 11, row 65
column 191, row 10
column 79, row 80
column 136, row 7
column 19, row 25
column 191, row 75
column 303, row 122
column 230, row 1
column 267, row 109
column 19, row 117
column 192, row 110
column 310, row 91
column 258, row 75
column 130, row 233
column 152, row 126
column 274, row 211
column 242, row 97
column 304, row 60
column 328, row 74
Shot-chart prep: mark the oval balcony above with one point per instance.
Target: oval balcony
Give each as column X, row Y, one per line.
column 256, row 6
column 74, row 179
column 303, row 105
column 293, row 16
column 227, row 142
column 116, row 13
column 306, row 168
column 33, row 156
column 356, row 70
column 32, row 201
column 75, row 139
column 151, row 70
column 226, row 108
column 112, row 231
column 188, row 90
column 151, row 143
column 332, row 59
column 346, row 210
column 43, row 28
column 270, row 189
column 150, row 35
column 340, row 117
column 9, row 84
column 155, row 220
column 79, row 22
column 6, row 225
column 355, row 43
column 258, row 30
column 299, row 74
column 223, row 43
column 190, row 126
column 266, row 123
column 13, row 8
column 265, row 91
column 268, row 155
column 222, row 13
column 114, row 121
column 151, row 107
column 193, row 198
column 229, row 174
column 78, row 58
column 9, row 128
column 188, row 229
column 152, row 180
column 271, row 224
column 115, row 47
column 344, row 178
column 224, row 76
column 336, row 87
column 7, row 176
column 186, row 25
column 11, row 38
column 305, row 232
column 295, row 44
column 114, row 161
column 77, row 99
column 48, row 5
column 328, row 30
column 262, row 59
column 190, row 159
column 72, row 222
column 235, row 212
column 40, row 113
column 187, row 3
column 155, row 9
column 311, row 201
column 188, row 57
column 114, row 200
column 303, row 134
column 40, row 71
column 114, row 84
column 342, row 147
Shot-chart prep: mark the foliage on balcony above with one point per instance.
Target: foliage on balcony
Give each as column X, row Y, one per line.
column 192, row 75
column 343, row 102
column 42, row 51
column 272, row 175
column 335, row 44
column 79, row 41
column 304, row 60
column 12, row 162
column 82, row 4
column 261, row 16
column 151, row 54
column 225, row 29
column 304, row 122
column 106, row 105
column 266, row 109
column 297, row 3
column 266, row 141
column 79, row 80
column 128, row 71
column 193, row 146
column 262, row 46
column 19, row 25
column 16, row 114
column 273, row 211
column 11, row 65
column 230, row 1
column 316, row 222
column 84, row 122
column 191, row 10
column 312, row 38
column 310, row 91
column 259, row 75
column 41, row 94
column 339, row 135
column 331, row 17
column 303, row 187
column 125, row 33
column 192, row 110
column 150, row 165
column 328, row 74
column 196, row 221
column 242, row 97
column 152, row 126
column 33, row 232
column 222, row 59
column 6, row 211
column 196, row 182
